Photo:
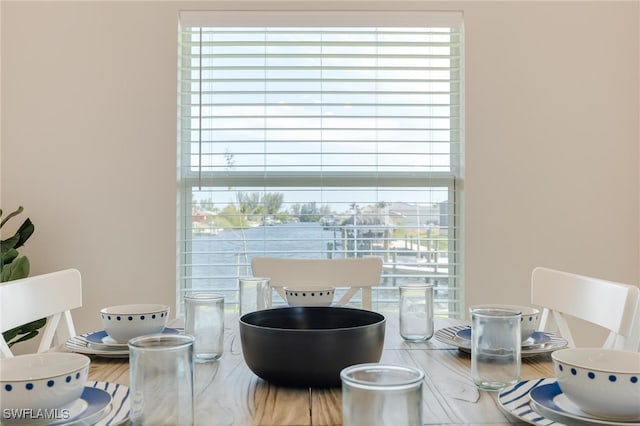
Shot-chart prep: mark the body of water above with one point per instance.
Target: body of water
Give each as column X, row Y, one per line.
column 218, row 260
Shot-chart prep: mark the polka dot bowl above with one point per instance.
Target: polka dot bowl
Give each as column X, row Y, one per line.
column 309, row 295
column 124, row 322
column 604, row 383
column 36, row 382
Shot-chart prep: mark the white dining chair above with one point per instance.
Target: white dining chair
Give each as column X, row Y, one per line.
column 611, row 305
column 355, row 274
column 50, row 296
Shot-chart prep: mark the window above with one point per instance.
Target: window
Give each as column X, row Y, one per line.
column 302, row 138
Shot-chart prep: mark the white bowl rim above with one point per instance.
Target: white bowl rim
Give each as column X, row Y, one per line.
column 135, row 309
column 75, row 362
column 310, row 287
column 524, row 310
column 612, row 367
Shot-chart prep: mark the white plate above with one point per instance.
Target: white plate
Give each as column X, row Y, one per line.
column 516, row 400
column 100, row 404
column 549, row 400
column 82, row 344
column 93, row 404
column 449, row 335
column 102, row 341
column 119, row 413
column 537, row 339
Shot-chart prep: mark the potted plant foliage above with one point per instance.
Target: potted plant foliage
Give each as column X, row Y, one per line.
column 13, row 267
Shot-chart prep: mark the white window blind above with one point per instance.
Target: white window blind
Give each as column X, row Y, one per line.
column 300, row 139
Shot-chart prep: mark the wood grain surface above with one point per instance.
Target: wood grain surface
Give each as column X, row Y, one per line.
column 229, row 393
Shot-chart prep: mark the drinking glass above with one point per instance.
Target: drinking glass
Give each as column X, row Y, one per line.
column 161, row 380
column 416, row 312
column 255, row 294
column 495, row 347
column 379, row 394
column 204, row 320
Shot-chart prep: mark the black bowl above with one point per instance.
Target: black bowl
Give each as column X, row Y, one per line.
column 309, row 346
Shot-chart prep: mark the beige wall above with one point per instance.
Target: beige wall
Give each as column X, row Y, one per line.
column 552, row 135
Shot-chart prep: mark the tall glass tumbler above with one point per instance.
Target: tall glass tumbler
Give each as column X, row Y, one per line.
column 255, row 294
column 495, row 347
column 204, row 320
column 161, row 380
column 416, row 312
column 379, row 394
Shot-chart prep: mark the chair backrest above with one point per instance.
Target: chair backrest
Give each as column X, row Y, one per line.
column 356, row 274
column 50, row 296
column 614, row 306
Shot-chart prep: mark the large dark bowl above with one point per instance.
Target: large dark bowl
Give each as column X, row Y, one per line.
column 309, row 346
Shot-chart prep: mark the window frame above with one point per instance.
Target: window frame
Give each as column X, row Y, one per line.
column 453, row 180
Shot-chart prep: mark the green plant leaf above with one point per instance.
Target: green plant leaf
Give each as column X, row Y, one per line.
column 24, row 232
column 31, row 335
column 24, row 330
column 9, row 243
column 16, row 270
column 13, row 267
column 8, row 257
column 33, row 325
column 11, row 334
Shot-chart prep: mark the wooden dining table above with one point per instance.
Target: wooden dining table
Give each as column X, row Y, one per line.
column 227, row 392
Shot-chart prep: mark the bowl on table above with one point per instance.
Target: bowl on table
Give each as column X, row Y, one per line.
column 124, row 322
column 34, row 382
column 604, row 383
column 309, row 346
column 529, row 321
column 309, row 295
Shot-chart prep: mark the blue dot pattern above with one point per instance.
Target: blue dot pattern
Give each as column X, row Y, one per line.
column 612, row 377
column 320, row 293
column 50, row 383
column 131, row 318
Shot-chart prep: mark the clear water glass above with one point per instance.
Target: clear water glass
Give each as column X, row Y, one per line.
column 161, row 380
column 416, row 312
column 495, row 347
column 204, row 320
column 255, row 294
column 379, row 394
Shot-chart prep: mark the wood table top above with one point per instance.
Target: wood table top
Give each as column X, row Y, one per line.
column 229, row 393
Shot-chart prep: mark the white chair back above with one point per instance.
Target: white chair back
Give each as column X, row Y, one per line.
column 611, row 305
column 356, row 274
column 50, row 296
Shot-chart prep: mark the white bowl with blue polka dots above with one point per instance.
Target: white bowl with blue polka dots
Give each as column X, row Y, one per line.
column 34, row 383
column 604, row 383
column 124, row 322
column 309, row 295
